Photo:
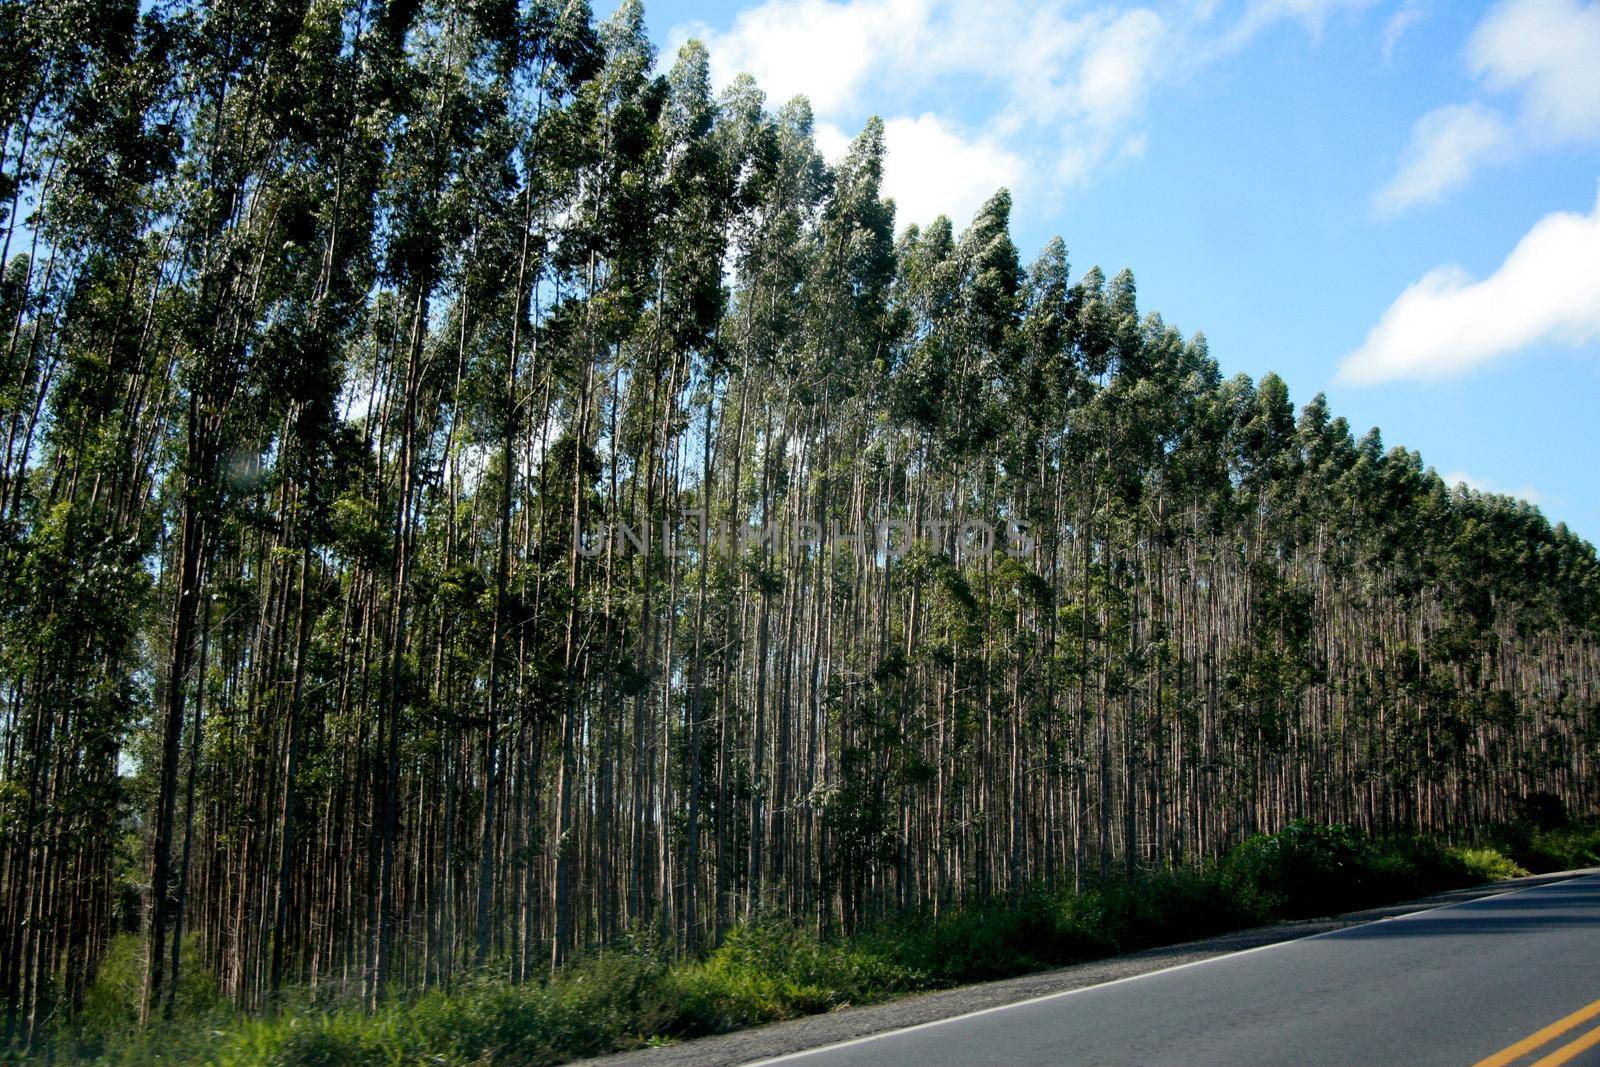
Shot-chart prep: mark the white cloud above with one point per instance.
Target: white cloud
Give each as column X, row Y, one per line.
column 1117, row 65
column 856, row 55
column 1546, row 50
column 932, row 168
column 817, row 48
column 1547, row 290
column 1401, row 21
column 1447, row 144
column 1483, row 485
column 1550, row 49
column 832, row 141
column 1260, row 15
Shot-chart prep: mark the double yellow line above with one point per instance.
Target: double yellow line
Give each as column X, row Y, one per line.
column 1540, row 1038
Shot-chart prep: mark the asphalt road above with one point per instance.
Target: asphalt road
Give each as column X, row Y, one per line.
column 1504, row 980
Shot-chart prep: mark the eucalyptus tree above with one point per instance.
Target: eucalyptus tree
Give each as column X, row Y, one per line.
column 88, row 154
column 781, row 185
column 607, row 251
column 845, row 361
column 224, row 219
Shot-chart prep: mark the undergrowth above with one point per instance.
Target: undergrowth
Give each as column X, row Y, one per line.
column 636, row 993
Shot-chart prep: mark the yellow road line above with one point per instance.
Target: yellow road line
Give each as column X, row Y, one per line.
column 1545, row 1036
column 1568, row 1051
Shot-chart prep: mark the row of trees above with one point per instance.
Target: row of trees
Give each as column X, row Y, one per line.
column 337, row 332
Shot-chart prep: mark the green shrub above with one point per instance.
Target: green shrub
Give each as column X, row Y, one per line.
column 106, row 1026
column 994, row 939
column 1403, row 867
column 758, row 974
column 1157, row 909
column 1308, row 870
column 1488, row 864
column 112, row 1000
column 1562, row 849
column 1305, row 869
column 1543, row 848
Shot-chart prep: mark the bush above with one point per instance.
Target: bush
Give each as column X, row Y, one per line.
column 1561, row 849
column 1044, row 929
column 1403, row 867
column 993, row 939
column 1308, row 870
column 1541, row 848
column 1157, row 909
column 765, row 972
column 112, row 1000
column 1488, row 864
column 1305, row 869
column 106, row 1026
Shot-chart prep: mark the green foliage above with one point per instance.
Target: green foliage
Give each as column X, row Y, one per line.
column 1561, row 848
column 1044, row 929
column 602, row 1003
column 1305, row 869
column 1310, row 870
column 765, row 972
column 988, row 940
column 106, row 1026
column 1488, row 864
column 111, row 1001
column 1159, row 909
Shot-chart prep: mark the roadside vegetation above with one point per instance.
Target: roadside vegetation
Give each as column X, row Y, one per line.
column 636, row 993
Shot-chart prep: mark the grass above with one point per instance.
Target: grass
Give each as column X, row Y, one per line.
column 635, row 994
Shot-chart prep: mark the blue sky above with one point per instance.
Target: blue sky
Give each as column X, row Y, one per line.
column 1390, row 201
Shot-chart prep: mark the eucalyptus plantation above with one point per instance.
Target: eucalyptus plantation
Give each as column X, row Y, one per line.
column 472, row 493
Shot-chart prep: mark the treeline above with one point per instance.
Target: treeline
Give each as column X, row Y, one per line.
column 335, row 334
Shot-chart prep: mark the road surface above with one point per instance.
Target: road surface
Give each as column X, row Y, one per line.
column 1505, row 980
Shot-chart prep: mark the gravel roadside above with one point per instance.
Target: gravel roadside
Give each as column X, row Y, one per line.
column 843, row 1024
